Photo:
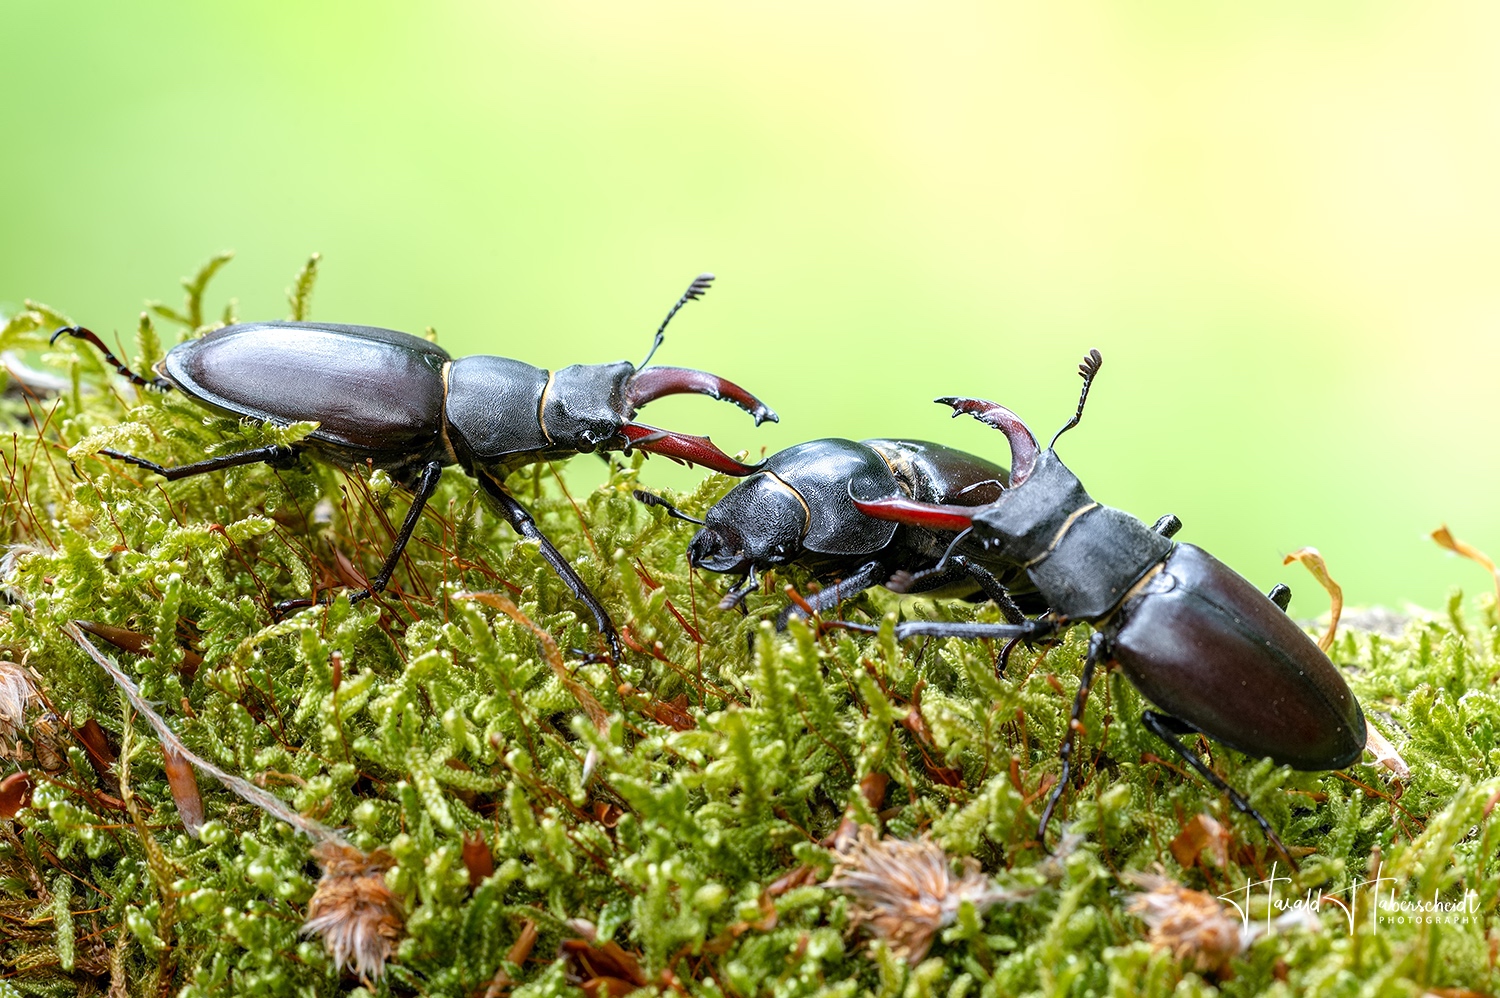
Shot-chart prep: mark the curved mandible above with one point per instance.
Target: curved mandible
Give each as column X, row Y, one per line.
column 650, row 385
column 1023, row 446
column 684, row 448
column 939, row 516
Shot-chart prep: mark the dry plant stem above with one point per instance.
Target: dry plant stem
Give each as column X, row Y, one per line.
column 272, row 805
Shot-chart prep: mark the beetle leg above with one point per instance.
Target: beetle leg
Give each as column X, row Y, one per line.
column 426, row 486
column 1280, row 595
column 274, row 455
column 78, row 332
column 902, row 581
column 1167, row 526
column 736, row 595
column 1097, row 646
column 521, row 520
column 1166, row 728
column 867, row 575
column 992, row 588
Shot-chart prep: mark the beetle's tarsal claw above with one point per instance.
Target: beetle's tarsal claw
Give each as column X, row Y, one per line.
column 684, row 448
column 648, row 386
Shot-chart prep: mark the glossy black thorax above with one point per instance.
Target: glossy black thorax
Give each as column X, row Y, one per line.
column 1081, row 556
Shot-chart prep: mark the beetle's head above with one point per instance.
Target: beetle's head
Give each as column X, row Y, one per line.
column 591, row 407
column 596, row 404
column 759, row 523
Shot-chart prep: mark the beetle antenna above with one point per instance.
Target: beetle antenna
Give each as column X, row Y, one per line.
column 1086, row 370
column 695, row 291
column 651, row 499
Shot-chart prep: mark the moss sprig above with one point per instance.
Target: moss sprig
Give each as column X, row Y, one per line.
column 546, row 821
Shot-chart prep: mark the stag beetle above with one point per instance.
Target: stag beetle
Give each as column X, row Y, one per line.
column 797, row 510
column 1197, row 639
column 400, row 403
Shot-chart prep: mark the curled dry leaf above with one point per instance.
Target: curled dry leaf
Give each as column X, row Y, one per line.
column 601, row 969
column 184, row 784
column 905, row 892
column 477, row 859
column 353, row 910
column 1314, row 563
column 15, row 793
column 1202, row 834
column 1445, row 537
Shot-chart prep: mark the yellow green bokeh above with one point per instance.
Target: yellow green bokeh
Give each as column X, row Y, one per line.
column 1278, row 222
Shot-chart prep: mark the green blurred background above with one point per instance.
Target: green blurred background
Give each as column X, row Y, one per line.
column 1278, row 221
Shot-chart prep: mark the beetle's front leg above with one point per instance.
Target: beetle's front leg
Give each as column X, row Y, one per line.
column 1098, row 649
column 521, row 520
column 1167, row 728
column 867, row 575
column 992, row 588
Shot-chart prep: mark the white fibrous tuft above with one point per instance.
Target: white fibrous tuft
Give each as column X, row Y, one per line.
column 353, row 910
column 905, row 891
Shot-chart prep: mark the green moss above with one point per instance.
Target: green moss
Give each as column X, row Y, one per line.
column 665, row 817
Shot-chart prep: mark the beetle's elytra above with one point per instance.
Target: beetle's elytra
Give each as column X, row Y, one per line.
column 396, row 402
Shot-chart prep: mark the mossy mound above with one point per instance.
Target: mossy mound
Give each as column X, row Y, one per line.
column 539, row 821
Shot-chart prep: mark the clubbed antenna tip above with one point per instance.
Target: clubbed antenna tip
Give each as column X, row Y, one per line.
column 1089, row 367
column 696, row 290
